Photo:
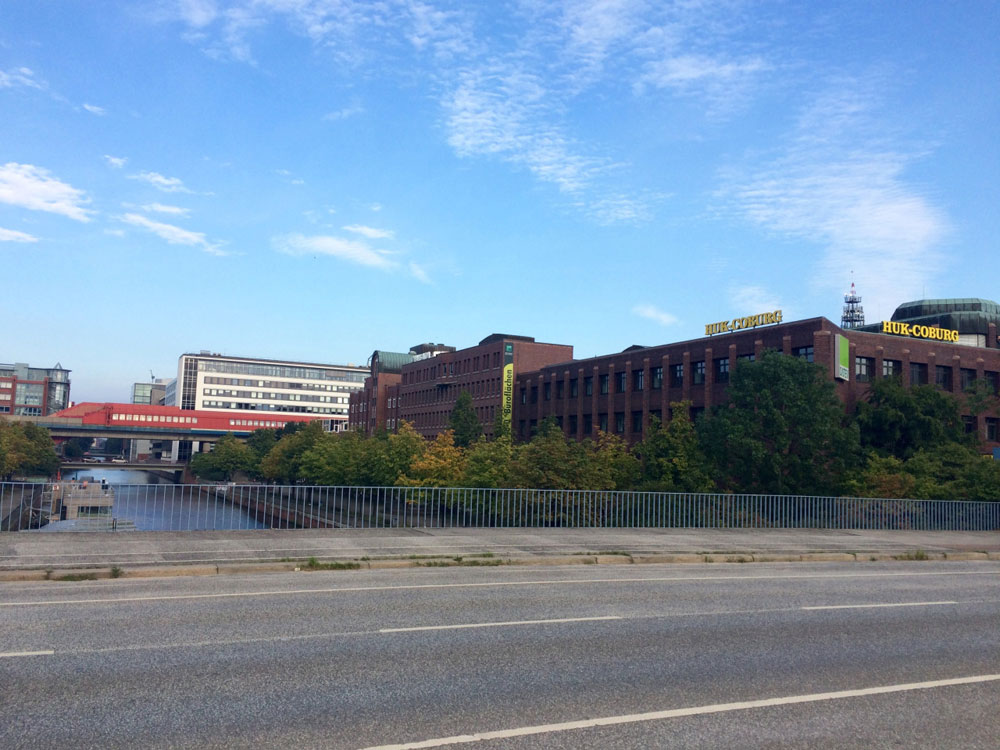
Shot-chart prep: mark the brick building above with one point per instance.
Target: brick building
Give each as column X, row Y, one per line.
column 618, row 393
column 428, row 388
column 33, row 391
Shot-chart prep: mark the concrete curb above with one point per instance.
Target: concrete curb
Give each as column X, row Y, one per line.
column 267, row 566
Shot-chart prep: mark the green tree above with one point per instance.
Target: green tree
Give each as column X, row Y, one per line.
column 550, row 461
column 283, row 461
column 608, row 464
column 463, row 421
column 899, row 421
column 488, row 463
column 782, row 431
column 76, row 447
column 228, row 457
column 670, row 458
column 882, row 476
column 441, row 464
column 26, row 450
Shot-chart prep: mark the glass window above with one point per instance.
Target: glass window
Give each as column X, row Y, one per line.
column 638, row 377
column 676, row 376
column 588, row 386
column 572, row 424
column 637, row 422
column 604, row 385
column 574, row 389
column 918, row 373
column 993, row 378
column 657, row 378
column 524, row 395
column 864, row 368
column 534, row 394
column 746, row 357
column 619, row 382
column 803, row 352
column 968, row 378
column 942, row 377
column 588, row 424
column 969, row 423
column 891, row 368
column 603, row 422
column 992, row 426
column 619, row 422
column 722, row 370
column 559, row 388
column 698, row 373
column 547, row 391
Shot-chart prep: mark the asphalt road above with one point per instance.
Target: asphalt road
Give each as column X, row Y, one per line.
column 554, row 657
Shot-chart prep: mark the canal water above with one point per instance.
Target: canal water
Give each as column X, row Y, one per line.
column 152, row 503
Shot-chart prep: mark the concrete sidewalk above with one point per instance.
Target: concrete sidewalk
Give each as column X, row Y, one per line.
column 30, row 555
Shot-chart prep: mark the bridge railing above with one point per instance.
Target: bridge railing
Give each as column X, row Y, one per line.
column 168, row 507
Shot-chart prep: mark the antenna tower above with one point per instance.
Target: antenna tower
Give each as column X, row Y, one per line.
column 854, row 313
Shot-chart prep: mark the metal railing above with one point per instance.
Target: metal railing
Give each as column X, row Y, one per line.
column 169, row 507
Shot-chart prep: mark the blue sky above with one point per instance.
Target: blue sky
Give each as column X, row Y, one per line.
column 315, row 179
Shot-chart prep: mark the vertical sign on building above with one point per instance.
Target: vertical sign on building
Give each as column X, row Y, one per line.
column 842, row 356
column 507, row 402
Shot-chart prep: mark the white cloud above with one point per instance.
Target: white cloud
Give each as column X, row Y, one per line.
column 19, row 77
column 115, row 161
column 12, row 235
column 157, row 180
column 345, row 113
column 94, row 109
column 173, row 234
column 197, row 13
column 160, row 208
column 839, row 186
column 32, row 187
column 652, row 312
column 352, row 251
column 751, row 299
column 419, row 273
column 373, row 207
column 370, row 232
column 115, row 232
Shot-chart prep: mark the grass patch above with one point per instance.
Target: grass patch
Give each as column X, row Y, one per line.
column 78, row 577
column 117, row 572
column 615, row 552
column 708, row 558
column 739, row 559
column 916, row 554
column 313, row 564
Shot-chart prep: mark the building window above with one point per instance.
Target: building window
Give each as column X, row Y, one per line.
column 657, row 378
column 918, row 373
column 574, row 390
column 638, row 377
column 992, row 427
column 572, row 424
column 864, row 369
column 637, row 423
column 969, row 423
column 746, row 357
column 891, row 368
column 968, row 378
column 620, row 382
column 942, row 377
column 559, row 388
column 604, row 385
column 534, row 394
column 803, row 352
column 722, row 370
column 547, row 391
column 602, row 420
column 676, row 376
column 588, row 386
column 698, row 373
column 993, row 380
column 620, row 422
column 696, row 411
column 588, row 424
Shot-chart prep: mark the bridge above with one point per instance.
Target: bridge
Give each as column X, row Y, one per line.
column 74, row 464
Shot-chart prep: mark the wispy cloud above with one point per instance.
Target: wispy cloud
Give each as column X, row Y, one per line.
column 19, row 77
column 115, row 161
column 652, row 312
column 173, row 234
column 94, row 109
column 376, row 207
column 12, row 235
column 161, row 208
column 352, row 251
column 289, row 177
column 418, row 272
column 751, row 299
column 157, row 180
column 370, row 232
column 838, row 185
column 32, row 187
column 345, row 113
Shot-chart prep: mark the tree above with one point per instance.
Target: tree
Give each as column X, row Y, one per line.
column 26, row 450
column 442, row 464
column 229, row 457
column 76, row 447
column 463, row 421
column 549, row 461
column 782, row 431
column 670, row 458
column 488, row 463
column 283, row 461
column 608, row 464
column 899, row 421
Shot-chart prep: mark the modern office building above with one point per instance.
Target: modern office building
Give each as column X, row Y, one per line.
column 151, row 394
column 367, row 408
column 33, row 391
column 619, row 393
column 428, row 388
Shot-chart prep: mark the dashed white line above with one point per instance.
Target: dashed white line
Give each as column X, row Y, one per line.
column 498, row 624
column 15, row 654
column 673, row 713
column 872, row 606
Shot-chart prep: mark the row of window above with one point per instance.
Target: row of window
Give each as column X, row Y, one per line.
column 254, row 406
column 638, row 422
column 158, row 418
column 864, row 372
column 255, row 423
column 274, row 396
column 450, row 369
column 279, row 371
column 280, row 384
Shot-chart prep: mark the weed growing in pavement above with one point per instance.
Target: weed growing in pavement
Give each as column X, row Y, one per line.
column 916, row 554
column 313, row 564
column 117, row 572
column 78, row 577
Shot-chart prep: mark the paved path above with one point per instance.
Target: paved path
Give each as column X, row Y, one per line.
column 833, row 655
column 25, row 551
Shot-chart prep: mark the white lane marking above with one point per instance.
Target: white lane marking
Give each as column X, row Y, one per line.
column 678, row 712
column 490, row 584
column 869, row 606
column 497, row 624
column 14, row 654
